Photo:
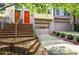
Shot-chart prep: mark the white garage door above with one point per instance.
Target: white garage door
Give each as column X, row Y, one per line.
column 62, row 26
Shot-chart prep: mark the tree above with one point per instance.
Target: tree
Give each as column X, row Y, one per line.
column 72, row 8
column 35, row 7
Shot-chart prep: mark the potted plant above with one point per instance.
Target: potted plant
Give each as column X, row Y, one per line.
column 70, row 37
column 62, row 35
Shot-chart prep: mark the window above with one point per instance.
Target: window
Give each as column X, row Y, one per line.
column 60, row 12
column 66, row 13
column 2, row 5
column 57, row 12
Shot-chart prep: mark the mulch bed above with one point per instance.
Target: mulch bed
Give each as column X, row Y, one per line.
column 65, row 39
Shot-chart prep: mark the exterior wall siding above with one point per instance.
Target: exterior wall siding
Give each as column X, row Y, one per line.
column 10, row 12
column 62, row 26
column 61, row 22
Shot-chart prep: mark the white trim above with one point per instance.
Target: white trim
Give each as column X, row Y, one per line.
column 23, row 16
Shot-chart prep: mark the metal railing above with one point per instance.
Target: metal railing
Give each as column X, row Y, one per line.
column 2, row 22
column 16, row 28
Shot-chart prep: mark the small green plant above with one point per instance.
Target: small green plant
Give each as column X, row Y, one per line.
column 70, row 37
column 77, row 38
column 62, row 35
column 57, row 34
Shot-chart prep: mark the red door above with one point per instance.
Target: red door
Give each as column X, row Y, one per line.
column 17, row 15
column 26, row 17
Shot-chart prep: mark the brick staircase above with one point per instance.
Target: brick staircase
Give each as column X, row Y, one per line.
column 31, row 47
column 22, row 31
column 25, row 43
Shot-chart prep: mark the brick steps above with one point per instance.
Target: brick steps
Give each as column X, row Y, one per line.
column 23, row 30
column 13, row 36
column 17, row 33
column 25, row 42
column 41, row 51
column 34, row 48
column 16, row 40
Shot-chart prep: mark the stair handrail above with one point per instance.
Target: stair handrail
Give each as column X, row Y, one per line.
column 35, row 35
column 2, row 22
column 16, row 28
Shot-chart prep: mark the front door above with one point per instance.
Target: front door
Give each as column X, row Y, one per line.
column 17, row 15
column 26, row 17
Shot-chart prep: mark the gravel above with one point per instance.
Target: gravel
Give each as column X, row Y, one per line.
column 61, row 50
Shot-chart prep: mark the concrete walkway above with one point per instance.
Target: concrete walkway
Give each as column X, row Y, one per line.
column 49, row 41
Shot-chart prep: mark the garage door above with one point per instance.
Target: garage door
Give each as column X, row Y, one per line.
column 62, row 26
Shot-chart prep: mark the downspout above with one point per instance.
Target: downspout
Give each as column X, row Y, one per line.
column 72, row 21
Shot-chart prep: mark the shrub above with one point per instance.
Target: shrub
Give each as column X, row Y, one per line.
column 62, row 35
column 77, row 38
column 57, row 34
column 70, row 37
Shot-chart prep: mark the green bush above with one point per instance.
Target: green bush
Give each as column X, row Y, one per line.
column 76, row 27
column 62, row 35
column 57, row 34
column 70, row 37
column 77, row 38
